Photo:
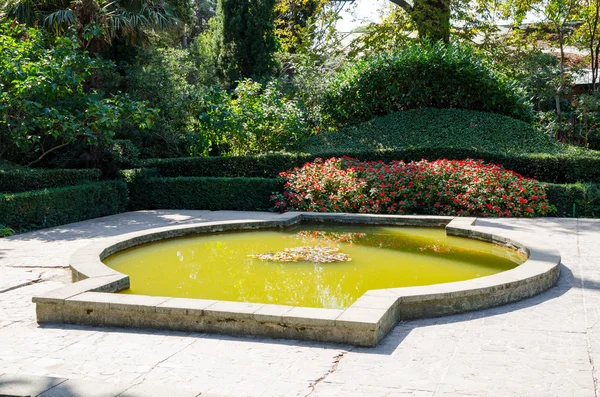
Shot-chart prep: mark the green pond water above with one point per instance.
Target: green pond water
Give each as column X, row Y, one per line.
column 221, row 266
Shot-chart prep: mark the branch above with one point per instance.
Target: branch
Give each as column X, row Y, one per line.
column 47, row 152
column 403, row 4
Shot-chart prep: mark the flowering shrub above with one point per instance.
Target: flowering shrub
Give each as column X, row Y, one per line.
column 442, row 187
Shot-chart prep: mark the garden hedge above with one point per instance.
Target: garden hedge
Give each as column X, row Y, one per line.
column 58, row 206
column 561, row 168
column 438, row 128
column 136, row 180
column 23, row 180
column 193, row 193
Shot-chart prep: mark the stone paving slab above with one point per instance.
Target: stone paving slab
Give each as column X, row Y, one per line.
column 78, row 387
column 11, row 278
column 26, row 385
column 548, row 345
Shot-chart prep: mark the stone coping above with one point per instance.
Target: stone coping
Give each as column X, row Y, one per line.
column 92, row 298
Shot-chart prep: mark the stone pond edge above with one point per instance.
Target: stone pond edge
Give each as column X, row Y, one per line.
column 92, row 298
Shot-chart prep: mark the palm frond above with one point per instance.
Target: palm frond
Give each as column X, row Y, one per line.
column 23, row 11
column 60, row 19
column 160, row 16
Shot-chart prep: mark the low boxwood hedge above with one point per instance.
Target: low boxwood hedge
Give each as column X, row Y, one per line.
column 196, row 193
column 25, row 179
column 561, row 168
column 58, row 206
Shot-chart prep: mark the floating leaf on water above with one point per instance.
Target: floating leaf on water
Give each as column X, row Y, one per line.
column 315, row 254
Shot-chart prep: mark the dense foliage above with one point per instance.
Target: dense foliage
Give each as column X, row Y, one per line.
column 436, row 128
column 417, row 76
column 151, row 78
column 575, row 200
column 253, row 119
column 244, row 40
column 58, row 206
column 442, row 187
column 241, row 194
column 97, row 22
column 6, row 231
column 46, row 102
column 569, row 167
column 22, row 180
column 294, row 19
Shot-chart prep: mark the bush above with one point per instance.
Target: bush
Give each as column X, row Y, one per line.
column 575, row 200
column 437, row 128
column 52, row 207
column 6, row 231
column 241, row 194
column 136, row 180
column 25, row 179
column 46, row 96
column 442, row 187
column 152, row 78
column 567, row 167
column 260, row 166
column 120, row 154
column 419, row 76
column 254, row 119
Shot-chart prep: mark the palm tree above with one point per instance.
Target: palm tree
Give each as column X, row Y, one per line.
column 97, row 22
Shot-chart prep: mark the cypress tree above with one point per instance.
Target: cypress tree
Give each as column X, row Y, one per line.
column 244, row 40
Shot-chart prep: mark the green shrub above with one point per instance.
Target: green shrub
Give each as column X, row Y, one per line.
column 6, row 231
column 568, row 167
column 437, row 128
column 136, row 180
column 46, row 100
column 52, row 207
column 260, row 166
column 119, row 155
column 575, row 200
column 25, row 179
column 419, row 76
column 151, row 78
column 254, row 119
column 7, row 165
column 241, row 194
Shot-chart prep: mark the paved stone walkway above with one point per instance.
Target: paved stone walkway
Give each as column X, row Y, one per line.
column 545, row 346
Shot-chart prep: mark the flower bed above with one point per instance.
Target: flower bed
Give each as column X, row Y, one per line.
column 442, row 187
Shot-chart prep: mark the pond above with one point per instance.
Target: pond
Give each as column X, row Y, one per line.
column 325, row 266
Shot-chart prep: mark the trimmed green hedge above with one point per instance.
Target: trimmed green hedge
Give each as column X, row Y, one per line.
column 52, row 207
column 23, row 180
column 136, row 180
column 241, row 194
column 437, row 128
column 576, row 200
column 562, row 168
column 260, row 166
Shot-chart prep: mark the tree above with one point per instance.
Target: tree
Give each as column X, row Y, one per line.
column 559, row 19
column 292, row 19
column 98, row 22
column 204, row 10
column 244, row 40
column 588, row 35
column 431, row 17
column 45, row 99
column 389, row 34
